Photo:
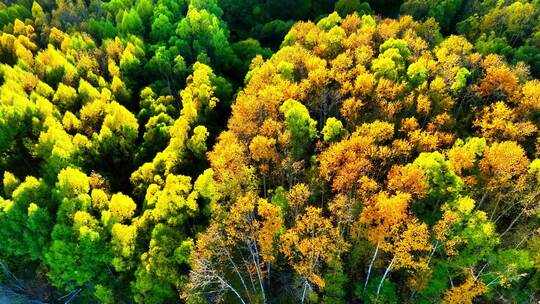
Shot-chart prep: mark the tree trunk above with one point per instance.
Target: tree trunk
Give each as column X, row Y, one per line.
column 371, row 265
column 384, row 276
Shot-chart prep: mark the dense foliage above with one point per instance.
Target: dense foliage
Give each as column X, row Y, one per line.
column 220, row 151
column 509, row 28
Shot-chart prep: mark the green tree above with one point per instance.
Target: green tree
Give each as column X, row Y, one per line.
column 300, row 125
column 347, row 7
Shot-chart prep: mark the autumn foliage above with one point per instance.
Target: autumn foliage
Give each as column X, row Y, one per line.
column 152, row 151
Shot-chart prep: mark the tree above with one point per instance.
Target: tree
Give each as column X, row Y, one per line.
column 25, row 219
column 131, row 22
column 498, row 121
column 370, row 159
column 309, row 245
column 198, row 99
column 234, row 255
column 347, row 7
column 78, row 252
column 340, row 163
column 197, row 142
column 417, row 73
column 466, row 292
column 300, row 125
column 460, row 81
column 332, row 130
column 169, row 208
column 443, row 184
column 201, row 32
column 502, row 163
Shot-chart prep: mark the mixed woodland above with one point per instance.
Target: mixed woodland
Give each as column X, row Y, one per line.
column 269, row 151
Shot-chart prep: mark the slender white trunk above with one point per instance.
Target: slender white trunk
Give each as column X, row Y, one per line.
column 304, row 292
column 505, row 211
column 257, row 268
column 248, row 271
column 481, row 270
column 494, row 210
column 232, row 289
column 233, row 264
column 384, row 276
column 513, row 222
column 493, row 281
column 238, row 273
column 481, row 201
column 522, row 240
column 413, row 293
column 371, row 265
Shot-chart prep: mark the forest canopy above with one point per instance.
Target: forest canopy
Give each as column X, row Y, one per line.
column 220, row 151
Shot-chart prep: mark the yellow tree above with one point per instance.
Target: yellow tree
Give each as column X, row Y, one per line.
column 230, row 255
column 310, row 244
column 389, row 223
column 345, row 162
column 465, row 293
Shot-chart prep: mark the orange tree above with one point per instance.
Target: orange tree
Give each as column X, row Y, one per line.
column 361, row 131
